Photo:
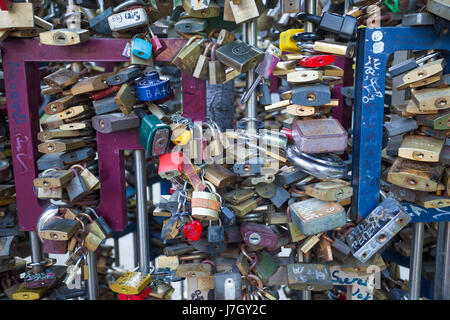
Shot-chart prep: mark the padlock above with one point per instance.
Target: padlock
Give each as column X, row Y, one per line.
column 246, row 10
column 71, row 35
column 100, row 22
column 61, row 78
column 59, row 229
column 216, row 233
column 114, row 122
column 90, row 84
column 158, row 46
column 54, row 178
column 125, row 99
column 76, row 188
column 23, row 293
column 216, row 68
column 191, row 25
column 131, row 72
column 55, row 246
column 211, row 11
column 287, row 43
column 188, row 55
column 227, row 286
column 170, row 165
column 344, row 26
column 131, row 283
column 265, row 267
column 264, row 69
column 152, row 87
column 141, row 296
column 313, row 216
column 259, row 235
column 205, row 205
column 239, row 55
column 219, row 175
column 46, row 278
column 201, row 70
column 415, row 175
column 99, row 226
column 280, row 196
column 421, row 148
column 193, row 230
column 128, row 19
column 380, row 226
column 309, row 276
column 154, row 135
column 141, row 48
column 319, row 135
column 333, row 190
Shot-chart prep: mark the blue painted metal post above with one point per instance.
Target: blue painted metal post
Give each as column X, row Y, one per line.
column 374, row 48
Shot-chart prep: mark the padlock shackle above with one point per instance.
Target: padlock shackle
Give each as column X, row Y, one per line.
column 127, row 4
column 303, row 16
column 213, row 52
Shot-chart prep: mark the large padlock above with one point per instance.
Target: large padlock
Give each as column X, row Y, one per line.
column 205, row 205
column 76, row 188
column 240, row 56
column 152, row 88
column 128, row 19
column 319, row 135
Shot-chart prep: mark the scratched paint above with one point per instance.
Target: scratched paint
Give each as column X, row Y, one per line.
column 14, row 102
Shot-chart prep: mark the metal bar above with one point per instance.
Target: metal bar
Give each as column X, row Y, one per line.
column 374, row 47
column 36, row 249
column 415, row 266
column 440, row 257
column 446, row 267
column 135, row 248
column 343, row 113
column 251, row 76
column 116, row 252
column 306, row 294
column 310, row 7
column 141, row 210
column 93, row 276
column 22, row 84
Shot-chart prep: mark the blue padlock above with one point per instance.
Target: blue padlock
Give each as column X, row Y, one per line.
column 141, row 48
column 152, row 87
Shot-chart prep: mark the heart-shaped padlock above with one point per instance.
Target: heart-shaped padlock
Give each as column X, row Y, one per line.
column 193, row 230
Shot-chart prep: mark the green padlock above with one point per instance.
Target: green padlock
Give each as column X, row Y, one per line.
column 154, row 135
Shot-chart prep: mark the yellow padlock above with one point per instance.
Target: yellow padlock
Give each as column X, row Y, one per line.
column 183, row 138
column 287, row 43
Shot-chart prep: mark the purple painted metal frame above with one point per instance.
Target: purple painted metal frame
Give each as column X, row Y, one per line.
column 21, row 70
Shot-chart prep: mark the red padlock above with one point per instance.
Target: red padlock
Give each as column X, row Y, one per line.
column 193, row 230
column 5, row 4
column 317, row 61
column 141, row 296
column 170, row 165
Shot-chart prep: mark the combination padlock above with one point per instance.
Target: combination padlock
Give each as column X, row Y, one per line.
column 152, row 88
column 154, row 135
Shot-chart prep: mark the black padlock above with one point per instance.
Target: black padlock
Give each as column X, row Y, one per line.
column 344, row 26
column 216, row 233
